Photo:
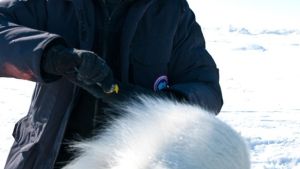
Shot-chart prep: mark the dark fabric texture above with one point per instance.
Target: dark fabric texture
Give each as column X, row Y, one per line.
column 109, row 21
column 158, row 38
column 81, row 125
column 88, row 115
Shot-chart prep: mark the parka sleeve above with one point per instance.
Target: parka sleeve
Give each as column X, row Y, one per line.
column 22, row 39
column 193, row 73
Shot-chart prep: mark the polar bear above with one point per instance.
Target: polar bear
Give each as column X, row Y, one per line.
column 160, row 133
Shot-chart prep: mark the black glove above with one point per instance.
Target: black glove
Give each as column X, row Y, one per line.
column 83, row 68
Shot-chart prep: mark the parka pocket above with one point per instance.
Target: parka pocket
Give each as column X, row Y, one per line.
column 26, row 133
column 149, row 61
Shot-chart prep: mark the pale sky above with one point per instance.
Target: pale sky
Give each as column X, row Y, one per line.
column 250, row 12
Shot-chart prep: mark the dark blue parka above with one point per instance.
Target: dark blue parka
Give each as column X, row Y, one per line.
column 159, row 37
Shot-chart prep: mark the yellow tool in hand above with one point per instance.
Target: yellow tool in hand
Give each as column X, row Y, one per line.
column 114, row 89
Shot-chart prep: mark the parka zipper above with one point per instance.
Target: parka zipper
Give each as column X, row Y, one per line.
column 107, row 21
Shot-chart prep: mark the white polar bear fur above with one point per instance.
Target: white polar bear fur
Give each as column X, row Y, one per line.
column 157, row 133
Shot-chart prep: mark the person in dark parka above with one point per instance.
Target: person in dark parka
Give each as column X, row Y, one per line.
column 76, row 50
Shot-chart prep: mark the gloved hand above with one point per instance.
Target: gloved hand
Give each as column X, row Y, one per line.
column 83, row 68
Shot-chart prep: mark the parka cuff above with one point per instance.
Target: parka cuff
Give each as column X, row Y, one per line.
column 200, row 94
column 48, row 77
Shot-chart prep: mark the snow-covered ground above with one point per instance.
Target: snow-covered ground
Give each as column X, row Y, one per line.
column 260, row 78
